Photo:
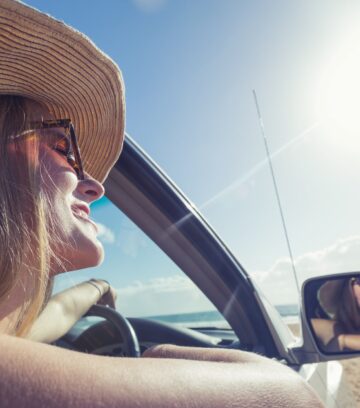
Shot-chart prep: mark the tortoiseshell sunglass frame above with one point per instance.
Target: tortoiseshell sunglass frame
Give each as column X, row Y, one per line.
column 69, row 130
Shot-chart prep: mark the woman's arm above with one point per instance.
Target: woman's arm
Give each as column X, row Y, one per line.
column 40, row 375
column 65, row 308
column 332, row 336
column 324, row 330
column 349, row 342
column 201, row 354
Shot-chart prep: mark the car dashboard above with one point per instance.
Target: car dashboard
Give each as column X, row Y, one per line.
column 99, row 336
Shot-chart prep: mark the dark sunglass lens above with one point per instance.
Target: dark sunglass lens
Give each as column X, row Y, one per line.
column 63, row 145
column 356, row 281
column 60, row 136
column 74, row 165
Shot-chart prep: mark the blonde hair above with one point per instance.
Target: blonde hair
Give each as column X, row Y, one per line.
column 23, row 223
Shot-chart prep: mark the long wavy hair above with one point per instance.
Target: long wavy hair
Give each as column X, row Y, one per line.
column 24, row 237
column 348, row 310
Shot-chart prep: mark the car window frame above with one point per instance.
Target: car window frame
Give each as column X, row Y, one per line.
column 144, row 193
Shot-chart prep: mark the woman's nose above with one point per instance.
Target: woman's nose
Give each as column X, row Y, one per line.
column 90, row 189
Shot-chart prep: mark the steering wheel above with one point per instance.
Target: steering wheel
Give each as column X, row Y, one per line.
column 131, row 346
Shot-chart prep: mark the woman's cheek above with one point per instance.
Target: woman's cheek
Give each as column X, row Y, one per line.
column 57, row 173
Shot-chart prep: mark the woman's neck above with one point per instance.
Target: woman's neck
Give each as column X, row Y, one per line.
column 12, row 306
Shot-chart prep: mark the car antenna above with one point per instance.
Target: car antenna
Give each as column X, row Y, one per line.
column 262, row 130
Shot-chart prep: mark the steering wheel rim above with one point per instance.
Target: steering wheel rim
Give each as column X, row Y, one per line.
column 131, row 346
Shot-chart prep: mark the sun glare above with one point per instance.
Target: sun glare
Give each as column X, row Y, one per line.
column 339, row 92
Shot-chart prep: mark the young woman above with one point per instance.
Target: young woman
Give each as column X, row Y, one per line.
column 340, row 300
column 34, row 160
column 53, row 82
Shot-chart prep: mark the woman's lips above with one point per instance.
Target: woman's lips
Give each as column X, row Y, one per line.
column 82, row 213
column 81, row 208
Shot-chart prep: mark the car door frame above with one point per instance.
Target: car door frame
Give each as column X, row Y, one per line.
column 152, row 201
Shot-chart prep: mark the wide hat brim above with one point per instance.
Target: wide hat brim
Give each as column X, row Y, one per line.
column 329, row 295
column 48, row 61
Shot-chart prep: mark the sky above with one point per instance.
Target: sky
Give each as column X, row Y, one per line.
column 189, row 69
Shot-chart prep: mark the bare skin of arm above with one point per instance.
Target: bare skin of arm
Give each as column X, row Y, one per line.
column 325, row 331
column 349, row 341
column 65, row 308
column 39, row 375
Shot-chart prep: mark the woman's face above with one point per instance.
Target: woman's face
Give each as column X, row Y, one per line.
column 75, row 243
column 356, row 291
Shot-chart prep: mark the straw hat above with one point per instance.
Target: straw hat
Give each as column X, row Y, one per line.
column 329, row 295
column 46, row 60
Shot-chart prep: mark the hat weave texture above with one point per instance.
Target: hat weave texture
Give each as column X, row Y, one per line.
column 48, row 61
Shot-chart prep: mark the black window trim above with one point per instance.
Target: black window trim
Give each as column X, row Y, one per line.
column 137, row 170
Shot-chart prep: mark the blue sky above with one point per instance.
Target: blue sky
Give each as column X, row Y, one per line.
column 189, row 69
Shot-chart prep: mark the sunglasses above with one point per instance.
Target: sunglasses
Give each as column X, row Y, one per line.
column 64, row 141
column 356, row 281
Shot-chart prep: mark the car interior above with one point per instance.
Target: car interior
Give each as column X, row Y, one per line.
column 140, row 189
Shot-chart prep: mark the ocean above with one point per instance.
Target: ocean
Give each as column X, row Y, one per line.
column 213, row 318
column 210, row 318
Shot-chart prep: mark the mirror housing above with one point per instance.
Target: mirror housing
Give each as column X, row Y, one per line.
column 332, row 310
column 330, row 318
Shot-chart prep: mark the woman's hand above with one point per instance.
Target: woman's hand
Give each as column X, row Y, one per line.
column 108, row 298
column 65, row 308
column 107, row 293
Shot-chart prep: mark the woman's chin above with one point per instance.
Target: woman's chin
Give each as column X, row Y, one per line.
column 90, row 258
column 86, row 256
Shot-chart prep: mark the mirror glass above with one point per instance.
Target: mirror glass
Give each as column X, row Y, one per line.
column 332, row 307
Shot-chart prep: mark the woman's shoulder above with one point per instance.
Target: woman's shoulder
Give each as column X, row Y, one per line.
column 324, row 327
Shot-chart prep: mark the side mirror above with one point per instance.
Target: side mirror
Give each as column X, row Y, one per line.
column 332, row 312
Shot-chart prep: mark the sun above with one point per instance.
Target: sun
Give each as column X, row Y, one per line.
column 339, row 92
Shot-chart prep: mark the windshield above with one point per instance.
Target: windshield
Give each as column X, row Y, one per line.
column 190, row 70
column 148, row 283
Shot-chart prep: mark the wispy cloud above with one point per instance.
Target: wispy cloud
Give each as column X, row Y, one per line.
column 162, row 295
column 278, row 281
column 168, row 284
column 105, row 234
column 131, row 242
